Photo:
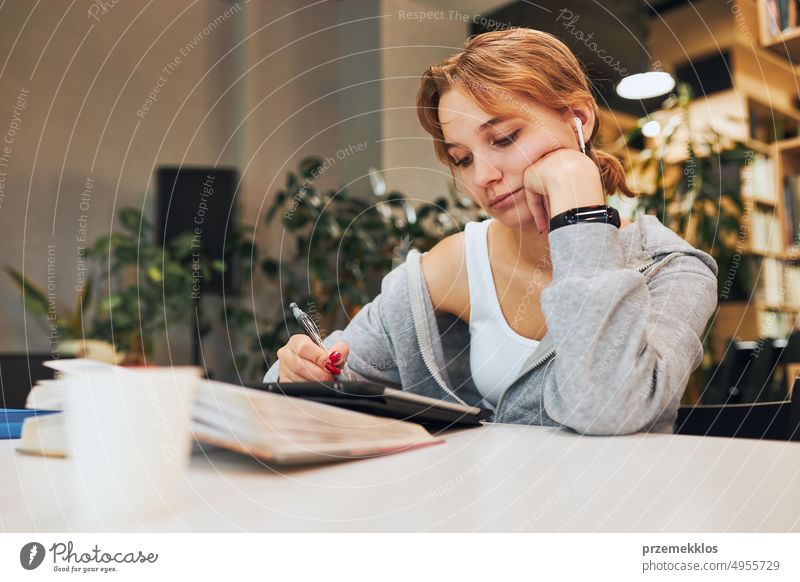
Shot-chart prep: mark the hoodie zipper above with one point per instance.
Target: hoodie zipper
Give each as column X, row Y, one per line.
column 646, row 266
column 533, row 366
column 419, row 321
column 426, row 357
column 540, row 361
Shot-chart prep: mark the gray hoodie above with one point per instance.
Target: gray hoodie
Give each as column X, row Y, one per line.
column 625, row 312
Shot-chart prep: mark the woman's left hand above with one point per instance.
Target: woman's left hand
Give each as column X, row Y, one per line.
column 561, row 179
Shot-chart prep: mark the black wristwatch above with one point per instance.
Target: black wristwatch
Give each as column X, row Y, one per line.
column 596, row 213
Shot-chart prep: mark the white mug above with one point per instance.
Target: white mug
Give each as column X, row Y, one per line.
column 130, row 439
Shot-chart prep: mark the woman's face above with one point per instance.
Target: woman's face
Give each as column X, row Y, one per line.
column 491, row 155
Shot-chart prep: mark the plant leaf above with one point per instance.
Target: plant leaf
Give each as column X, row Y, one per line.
column 310, row 166
column 131, row 219
column 33, row 297
column 81, row 308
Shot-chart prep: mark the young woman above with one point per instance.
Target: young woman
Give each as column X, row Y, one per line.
column 554, row 311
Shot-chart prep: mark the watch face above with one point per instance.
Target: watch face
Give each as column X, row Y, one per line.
column 592, row 214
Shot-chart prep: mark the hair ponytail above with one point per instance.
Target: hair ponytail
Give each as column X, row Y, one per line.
column 612, row 173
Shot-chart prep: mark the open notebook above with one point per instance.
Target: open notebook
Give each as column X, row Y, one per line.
column 276, row 428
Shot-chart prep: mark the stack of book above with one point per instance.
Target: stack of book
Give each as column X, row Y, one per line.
column 273, row 427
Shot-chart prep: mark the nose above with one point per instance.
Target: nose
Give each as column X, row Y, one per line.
column 484, row 172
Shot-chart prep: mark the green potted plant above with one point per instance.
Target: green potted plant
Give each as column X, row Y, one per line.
column 144, row 287
column 134, row 290
column 76, row 337
column 691, row 181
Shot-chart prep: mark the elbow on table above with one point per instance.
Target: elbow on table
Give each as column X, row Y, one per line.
column 617, row 409
column 607, row 425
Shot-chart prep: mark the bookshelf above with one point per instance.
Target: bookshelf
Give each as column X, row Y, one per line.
column 771, row 191
column 769, row 241
column 779, row 27
column 761, row 110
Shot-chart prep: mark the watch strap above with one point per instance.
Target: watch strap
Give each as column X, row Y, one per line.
column 596, row 213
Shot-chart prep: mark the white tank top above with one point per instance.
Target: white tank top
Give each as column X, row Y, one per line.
column 497, row 352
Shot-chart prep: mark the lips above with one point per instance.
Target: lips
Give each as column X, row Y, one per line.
column 497, row 200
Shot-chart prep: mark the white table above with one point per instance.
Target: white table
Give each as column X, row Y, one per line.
column 494, row 478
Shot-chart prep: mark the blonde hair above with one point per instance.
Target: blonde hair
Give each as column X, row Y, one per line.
column 501, row 68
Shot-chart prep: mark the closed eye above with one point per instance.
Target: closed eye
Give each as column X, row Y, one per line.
column 506, row 141
column 502, row 143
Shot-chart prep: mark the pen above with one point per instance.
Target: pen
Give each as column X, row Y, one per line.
column 311, row 329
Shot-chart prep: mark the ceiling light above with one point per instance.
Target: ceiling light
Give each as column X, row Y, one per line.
column 645, row 85
column 651, row 129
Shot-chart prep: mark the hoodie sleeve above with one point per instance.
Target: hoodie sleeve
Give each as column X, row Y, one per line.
column 625, row 341
column 372, row 355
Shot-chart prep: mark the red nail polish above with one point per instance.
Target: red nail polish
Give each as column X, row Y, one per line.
column 335, row 357
column 332, row 369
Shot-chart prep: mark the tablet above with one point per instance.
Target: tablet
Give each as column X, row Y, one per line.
column 383, row 401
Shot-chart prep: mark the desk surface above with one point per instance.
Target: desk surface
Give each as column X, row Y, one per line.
column 493, row 478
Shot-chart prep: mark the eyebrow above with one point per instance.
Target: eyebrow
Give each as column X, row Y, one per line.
column 491, row 123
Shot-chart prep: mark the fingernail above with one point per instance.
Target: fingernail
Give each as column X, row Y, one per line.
column 332, row 369
column 335, row 357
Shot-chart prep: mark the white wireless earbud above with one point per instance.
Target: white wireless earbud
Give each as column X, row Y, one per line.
column 579, row 127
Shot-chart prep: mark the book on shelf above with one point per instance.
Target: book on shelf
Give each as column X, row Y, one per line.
column 783, row 10
column 766, row 234
column 791, row 204
column 273, row 427
column 773, row 17
column 781, row 15
column 770, row 282
column 775, row 324
column 792, row 286
column 762, row 178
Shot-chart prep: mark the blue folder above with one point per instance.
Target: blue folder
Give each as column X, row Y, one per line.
column 11, row 420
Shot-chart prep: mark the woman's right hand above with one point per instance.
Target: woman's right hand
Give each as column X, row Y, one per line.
column 301, row 360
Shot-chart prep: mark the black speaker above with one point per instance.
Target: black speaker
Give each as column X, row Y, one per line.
column 706, row 75
column 201, row 201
